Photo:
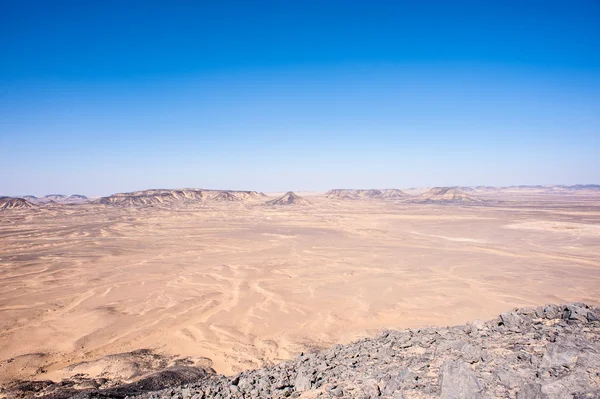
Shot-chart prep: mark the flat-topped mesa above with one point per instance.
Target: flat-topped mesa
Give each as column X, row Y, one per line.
column 289, row 198
column 388, row 193
column 55, row 197
column 7, row 203
column 163, row 196
column 76, row 197
column 446, row 195
column 340, row 193
column 137, row 200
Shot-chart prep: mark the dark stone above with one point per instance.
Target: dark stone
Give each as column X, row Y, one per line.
column 531, row 391
column 511, row 320
column 458, row 381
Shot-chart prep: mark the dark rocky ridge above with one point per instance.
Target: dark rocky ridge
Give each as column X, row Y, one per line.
column 164, row 196
column 288, row 198
column 549, row 352
column 14, row 203
column 55, row 197
column 446, row 195
column 388, row 193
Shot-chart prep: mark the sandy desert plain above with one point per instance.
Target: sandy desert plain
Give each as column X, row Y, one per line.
column 233, row 285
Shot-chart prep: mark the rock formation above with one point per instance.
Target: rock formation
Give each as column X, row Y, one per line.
column 446, row 195
column 14, row 203
column 55, row 197
column 30, row 198
column 162, row 196
column 288, row 198
column 393, row 193
column 226, row 196
column 389, row 193
column 76, row 197
column 552, row 351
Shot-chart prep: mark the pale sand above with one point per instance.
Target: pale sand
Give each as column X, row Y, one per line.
column 235, row 285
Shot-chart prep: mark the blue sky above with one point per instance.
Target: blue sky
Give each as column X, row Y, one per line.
column 99, row 97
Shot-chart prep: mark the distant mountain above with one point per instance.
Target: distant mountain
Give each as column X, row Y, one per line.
column 163, row 196
column 226, row 196
column 14, row 203
column 136, row 200
column 393, row 193
column 532, row 189
column 389, row 193
column 340, row 193
column 591, row 187
column 288, row 198
column 446, row 195
column 55, row 197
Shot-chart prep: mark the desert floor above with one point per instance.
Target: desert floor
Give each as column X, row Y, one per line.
column 236, row 285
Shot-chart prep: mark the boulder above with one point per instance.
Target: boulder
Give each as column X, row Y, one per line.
column 458, row 381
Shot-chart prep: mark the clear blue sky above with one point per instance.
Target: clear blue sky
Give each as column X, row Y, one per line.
column 103, row 96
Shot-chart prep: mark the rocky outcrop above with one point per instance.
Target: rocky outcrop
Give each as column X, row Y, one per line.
column 288, row 198
column 76, row 198
column 55, row 197
column 393, row 193
column 549, row 352
column 446, row 195
column 14, row 203
column 388, row 193
column 30, row 198
column 162, row 196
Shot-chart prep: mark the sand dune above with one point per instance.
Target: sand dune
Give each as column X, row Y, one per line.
column 234, row 285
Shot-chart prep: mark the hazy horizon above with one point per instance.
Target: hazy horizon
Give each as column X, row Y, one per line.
column 104, row 98
column 41, row 195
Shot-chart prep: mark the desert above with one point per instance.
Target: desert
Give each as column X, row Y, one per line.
column 230, row 281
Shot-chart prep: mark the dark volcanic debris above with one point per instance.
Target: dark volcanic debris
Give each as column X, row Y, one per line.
column 549, row 352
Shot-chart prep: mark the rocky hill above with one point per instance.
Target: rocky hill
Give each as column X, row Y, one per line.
column 137, row 200
column 76, row 197
column 288, row 198
column 14, row 203
column 55, row 197
column 537, row 189
column 393, row 193
column 552, row 351
column 162, row 196
column 389, row 193
column 339, row 193
column 446, row 195
column 30, row 198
